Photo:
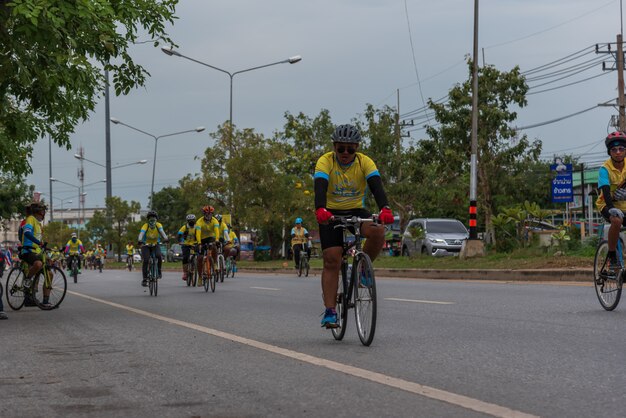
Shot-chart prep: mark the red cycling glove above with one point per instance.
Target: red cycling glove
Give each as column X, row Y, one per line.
column 385, row 216
column 323, row 215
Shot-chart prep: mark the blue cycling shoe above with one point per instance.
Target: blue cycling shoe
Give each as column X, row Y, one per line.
column 330, row 318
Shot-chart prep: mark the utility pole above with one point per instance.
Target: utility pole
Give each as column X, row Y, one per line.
column 81, row 196
column 619, row 67
column 398, row 137
column 50, row 176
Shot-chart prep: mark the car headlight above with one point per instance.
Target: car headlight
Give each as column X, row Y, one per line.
column 437, row 240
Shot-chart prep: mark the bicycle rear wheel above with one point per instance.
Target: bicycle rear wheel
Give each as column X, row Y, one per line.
column 306, row 267
column 608, row 286
column 151, row 276
column 56, row 285
column 342, row 304
column 365, row 299
column 15, row 289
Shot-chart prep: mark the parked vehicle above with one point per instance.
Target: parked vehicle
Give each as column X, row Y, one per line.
column 436, row 237
column 175, row 253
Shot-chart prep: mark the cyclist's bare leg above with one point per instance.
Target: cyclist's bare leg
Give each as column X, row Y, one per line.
column 34, row 269
column 330, row 275
column 375, row 235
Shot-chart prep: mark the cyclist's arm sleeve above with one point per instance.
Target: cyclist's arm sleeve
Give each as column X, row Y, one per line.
column 606, row 193
column 198, row 234
column 163, row 234
column 141, row 235
column 216, row 230
column 321, row 187
column 375, row 183
column 29, row 234
column 82, row 249
column 67, row 249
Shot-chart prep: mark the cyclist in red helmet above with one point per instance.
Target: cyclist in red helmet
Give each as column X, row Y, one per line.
column 611, row 200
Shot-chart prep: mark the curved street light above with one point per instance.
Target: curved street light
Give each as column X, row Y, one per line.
column 156, row 141
column 290, row 60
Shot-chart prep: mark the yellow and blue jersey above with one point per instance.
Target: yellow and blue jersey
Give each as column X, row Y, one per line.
column 207, row 229
column 151, row 236
column 187, row 235
column 346, row 184
column 31, row 229
column 73, row 248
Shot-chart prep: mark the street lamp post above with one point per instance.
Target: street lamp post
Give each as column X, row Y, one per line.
column 290, row 60
column 79, row 157
column 80, row 194
column 156, row 141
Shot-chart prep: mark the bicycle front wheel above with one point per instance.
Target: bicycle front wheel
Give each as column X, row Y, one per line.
column 221, row 267
column 365, row 299
column 342, row 304
column 212, row 277
column 54, row 286
column 607, row 284
column 15, row 289
column 306, row 267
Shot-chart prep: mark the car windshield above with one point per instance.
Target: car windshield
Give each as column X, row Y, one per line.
column 446, row 227
column 176, row 248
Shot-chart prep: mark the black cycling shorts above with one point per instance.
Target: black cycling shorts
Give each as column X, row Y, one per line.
column 333, row 237
column 30, row 258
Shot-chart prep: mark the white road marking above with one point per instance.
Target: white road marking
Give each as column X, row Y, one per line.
column 405, row 385
column 421, row 301
column 263, row 288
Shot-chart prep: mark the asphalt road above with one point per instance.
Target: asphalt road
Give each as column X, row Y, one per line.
column 255, row 348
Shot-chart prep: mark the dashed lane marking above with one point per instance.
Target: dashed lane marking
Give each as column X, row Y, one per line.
column 405, row 385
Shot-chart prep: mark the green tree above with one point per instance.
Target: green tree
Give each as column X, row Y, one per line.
column 171, row 208
column 502, row 153
column 57, row 234
column 14, row 195
column 121, row 214
column 96, row 230
column 52, row 53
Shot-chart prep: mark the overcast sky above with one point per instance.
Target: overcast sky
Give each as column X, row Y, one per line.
column 353, row 52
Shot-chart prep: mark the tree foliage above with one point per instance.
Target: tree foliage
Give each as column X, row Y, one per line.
column 503, row 155
column 14, row 196
column 52, row 53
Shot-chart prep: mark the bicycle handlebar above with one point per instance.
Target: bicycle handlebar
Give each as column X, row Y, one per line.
column 343, row 221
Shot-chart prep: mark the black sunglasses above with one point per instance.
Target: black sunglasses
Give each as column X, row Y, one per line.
column 341, row 149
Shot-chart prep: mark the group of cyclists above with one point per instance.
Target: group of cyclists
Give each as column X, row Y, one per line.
column 341, row 179
column 200, row 236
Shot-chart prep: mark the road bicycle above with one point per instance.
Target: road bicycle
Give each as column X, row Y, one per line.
column 208, row 272
column 221, row 262
column 358, row 289
column 608, row 283
column 74, row 268
column 192, row 272
column 231, row 266
column 49, row 280
column 303, row 263
column 99, row 262
column 129, row 262
column 153, row 271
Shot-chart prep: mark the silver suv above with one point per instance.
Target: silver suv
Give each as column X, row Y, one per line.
column 437, row 237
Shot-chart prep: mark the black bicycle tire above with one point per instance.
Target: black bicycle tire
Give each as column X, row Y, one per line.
column 234, row 269
column 221, row 267
column 17, row 306
column 212, row 278
column 365, row 337
column 306, row 267
column 57, row 272
column 300, row 266
column 342, row 304
column 599, row 258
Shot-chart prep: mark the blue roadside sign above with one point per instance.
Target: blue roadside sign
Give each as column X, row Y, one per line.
column 562, row 183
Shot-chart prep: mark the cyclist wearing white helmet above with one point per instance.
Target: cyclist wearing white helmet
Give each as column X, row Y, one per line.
column 187, row 238
column 611, row 200
column 299, row 237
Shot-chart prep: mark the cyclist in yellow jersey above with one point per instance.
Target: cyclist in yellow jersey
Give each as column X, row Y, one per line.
column 130, row 249
column 341, row 178
column 207, row 229
column 232, row 245
column 99, row 256
column 149, row 238
column 31, row 235
column 73, row 249
column 611, row 202
column 187, row 239
column 299, row 236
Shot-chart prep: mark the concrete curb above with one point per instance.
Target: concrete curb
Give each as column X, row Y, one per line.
column 543, row 275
